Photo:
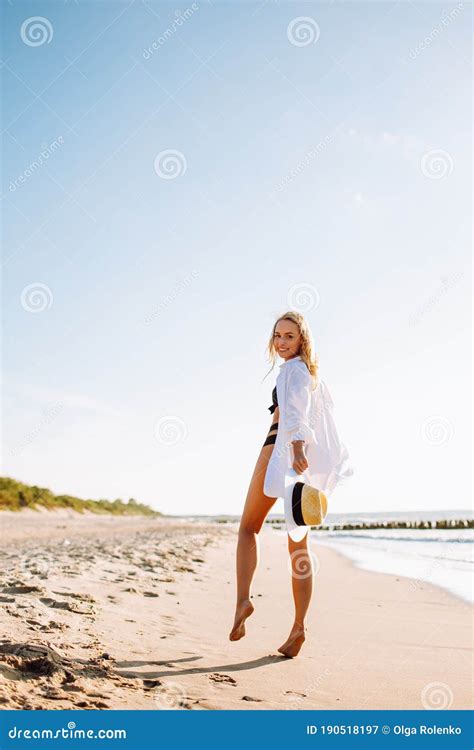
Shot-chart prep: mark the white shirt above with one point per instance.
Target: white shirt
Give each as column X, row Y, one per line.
column 305, row 414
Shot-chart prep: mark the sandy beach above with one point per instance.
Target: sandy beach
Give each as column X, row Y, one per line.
column 134, row 613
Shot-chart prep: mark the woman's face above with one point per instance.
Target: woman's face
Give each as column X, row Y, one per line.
column 287, row 339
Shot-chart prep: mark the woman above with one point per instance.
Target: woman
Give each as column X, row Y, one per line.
column 291, row 340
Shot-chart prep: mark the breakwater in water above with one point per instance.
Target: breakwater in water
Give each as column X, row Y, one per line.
column 445, row 523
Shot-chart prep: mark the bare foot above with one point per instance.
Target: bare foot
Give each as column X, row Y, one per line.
column 243, row 611
column 295, row 640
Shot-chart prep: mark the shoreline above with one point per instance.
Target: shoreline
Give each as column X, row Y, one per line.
column 459, row 586
column 137, row 616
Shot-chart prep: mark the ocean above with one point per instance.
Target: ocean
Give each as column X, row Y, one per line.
column 443, row 557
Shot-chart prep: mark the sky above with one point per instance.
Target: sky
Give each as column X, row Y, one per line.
column 174, row 178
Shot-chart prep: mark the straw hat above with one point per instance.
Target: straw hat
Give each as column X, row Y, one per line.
column 304, row 505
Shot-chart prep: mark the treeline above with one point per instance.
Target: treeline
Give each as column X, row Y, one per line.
column 16, row 495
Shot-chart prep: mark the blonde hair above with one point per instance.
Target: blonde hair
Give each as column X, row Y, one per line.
column 306, row 351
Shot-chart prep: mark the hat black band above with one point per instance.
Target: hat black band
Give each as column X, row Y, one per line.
column 296, row 503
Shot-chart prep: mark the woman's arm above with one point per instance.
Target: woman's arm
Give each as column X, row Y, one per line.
column 297, row 412
column 300, row 462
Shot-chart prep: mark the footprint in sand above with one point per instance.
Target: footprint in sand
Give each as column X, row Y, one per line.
column 218, row 677
column 69, row 606
column 148, row 684
column 53, row 625
column 73, row 595
column 17, row 587
column 91, row 704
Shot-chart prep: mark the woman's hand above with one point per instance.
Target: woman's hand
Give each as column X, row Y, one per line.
column 299, row 459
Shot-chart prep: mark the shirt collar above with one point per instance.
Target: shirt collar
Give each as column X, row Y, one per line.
column 289, row 360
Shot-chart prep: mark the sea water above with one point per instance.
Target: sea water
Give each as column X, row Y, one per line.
column 442, row 557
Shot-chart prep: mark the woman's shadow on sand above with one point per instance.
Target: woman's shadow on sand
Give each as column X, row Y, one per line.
column 263, row 661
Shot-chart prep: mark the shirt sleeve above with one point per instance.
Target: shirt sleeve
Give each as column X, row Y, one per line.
column 298, row 405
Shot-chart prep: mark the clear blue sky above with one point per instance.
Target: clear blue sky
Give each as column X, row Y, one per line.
column 159, row 294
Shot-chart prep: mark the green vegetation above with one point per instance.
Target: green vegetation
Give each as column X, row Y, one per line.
column 15, row 496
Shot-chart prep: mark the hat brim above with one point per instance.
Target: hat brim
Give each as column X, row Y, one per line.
column 295, row 532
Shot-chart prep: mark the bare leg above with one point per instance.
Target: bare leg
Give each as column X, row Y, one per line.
column 255, row 511
column 302, row 586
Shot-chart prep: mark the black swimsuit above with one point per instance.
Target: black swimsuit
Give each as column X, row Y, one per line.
column 272, row 432
column 274, row 405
